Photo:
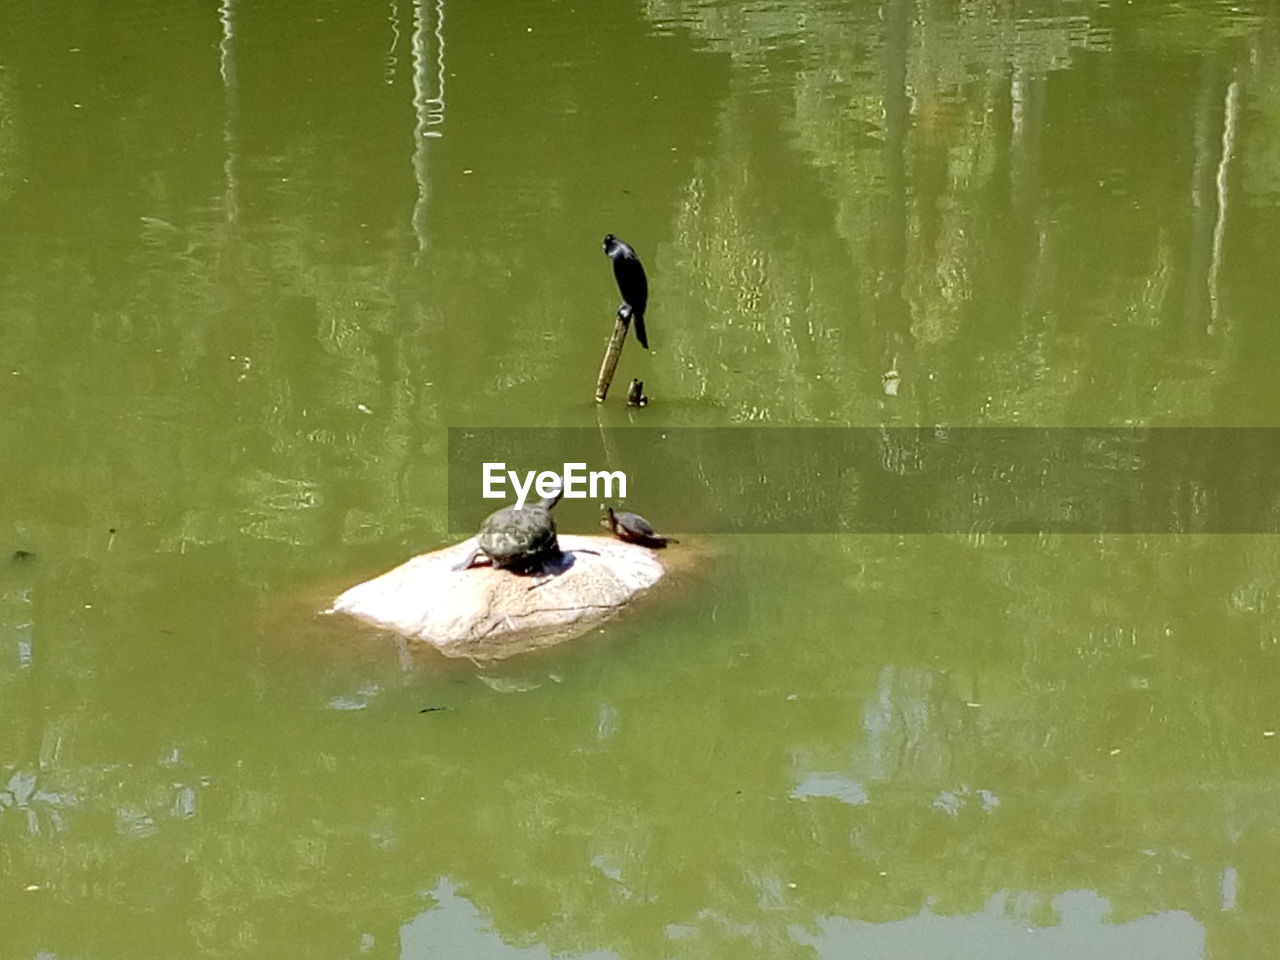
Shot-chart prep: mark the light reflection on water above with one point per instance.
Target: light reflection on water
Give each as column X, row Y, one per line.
column 454, row 927
column 1083, row 930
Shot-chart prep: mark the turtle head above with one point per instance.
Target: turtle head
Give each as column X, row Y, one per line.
column 610, row 243
column 546, row 503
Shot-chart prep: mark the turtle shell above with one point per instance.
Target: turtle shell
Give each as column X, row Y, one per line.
column 633, row 525
column 519, row 537
column 633, row 528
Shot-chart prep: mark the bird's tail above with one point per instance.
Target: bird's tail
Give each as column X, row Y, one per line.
column 640, row 334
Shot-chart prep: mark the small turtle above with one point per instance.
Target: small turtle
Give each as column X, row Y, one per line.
column 520, row 539
column 633, row 528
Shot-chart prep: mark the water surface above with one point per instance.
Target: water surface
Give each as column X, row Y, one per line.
column 258, row 259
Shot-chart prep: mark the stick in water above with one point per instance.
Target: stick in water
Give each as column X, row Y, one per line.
column 611, row 354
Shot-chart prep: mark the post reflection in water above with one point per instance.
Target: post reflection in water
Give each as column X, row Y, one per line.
column 428, row 108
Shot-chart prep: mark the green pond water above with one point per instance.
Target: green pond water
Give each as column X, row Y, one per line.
column 257, row 259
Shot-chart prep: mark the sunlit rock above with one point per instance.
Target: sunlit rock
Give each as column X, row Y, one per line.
column 485, row 613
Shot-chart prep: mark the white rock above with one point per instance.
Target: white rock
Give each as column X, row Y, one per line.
column 485, row 613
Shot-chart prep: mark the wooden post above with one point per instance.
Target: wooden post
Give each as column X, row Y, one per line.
column 611, row 354
column 635, row 394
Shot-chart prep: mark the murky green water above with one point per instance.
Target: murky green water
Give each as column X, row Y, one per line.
column 256, row 259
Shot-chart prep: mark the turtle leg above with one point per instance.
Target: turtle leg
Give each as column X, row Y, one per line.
column 466, row 564
column 552, row 567
column 547, row 567
column 544, row 576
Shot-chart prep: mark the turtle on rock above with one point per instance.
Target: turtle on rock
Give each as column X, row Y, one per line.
column 520, row 539
column 633, row 528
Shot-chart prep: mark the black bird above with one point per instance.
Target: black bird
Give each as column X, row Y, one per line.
column 632, row 283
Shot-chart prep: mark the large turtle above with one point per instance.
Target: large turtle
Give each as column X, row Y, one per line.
column 521, row 539
column 633, row 528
